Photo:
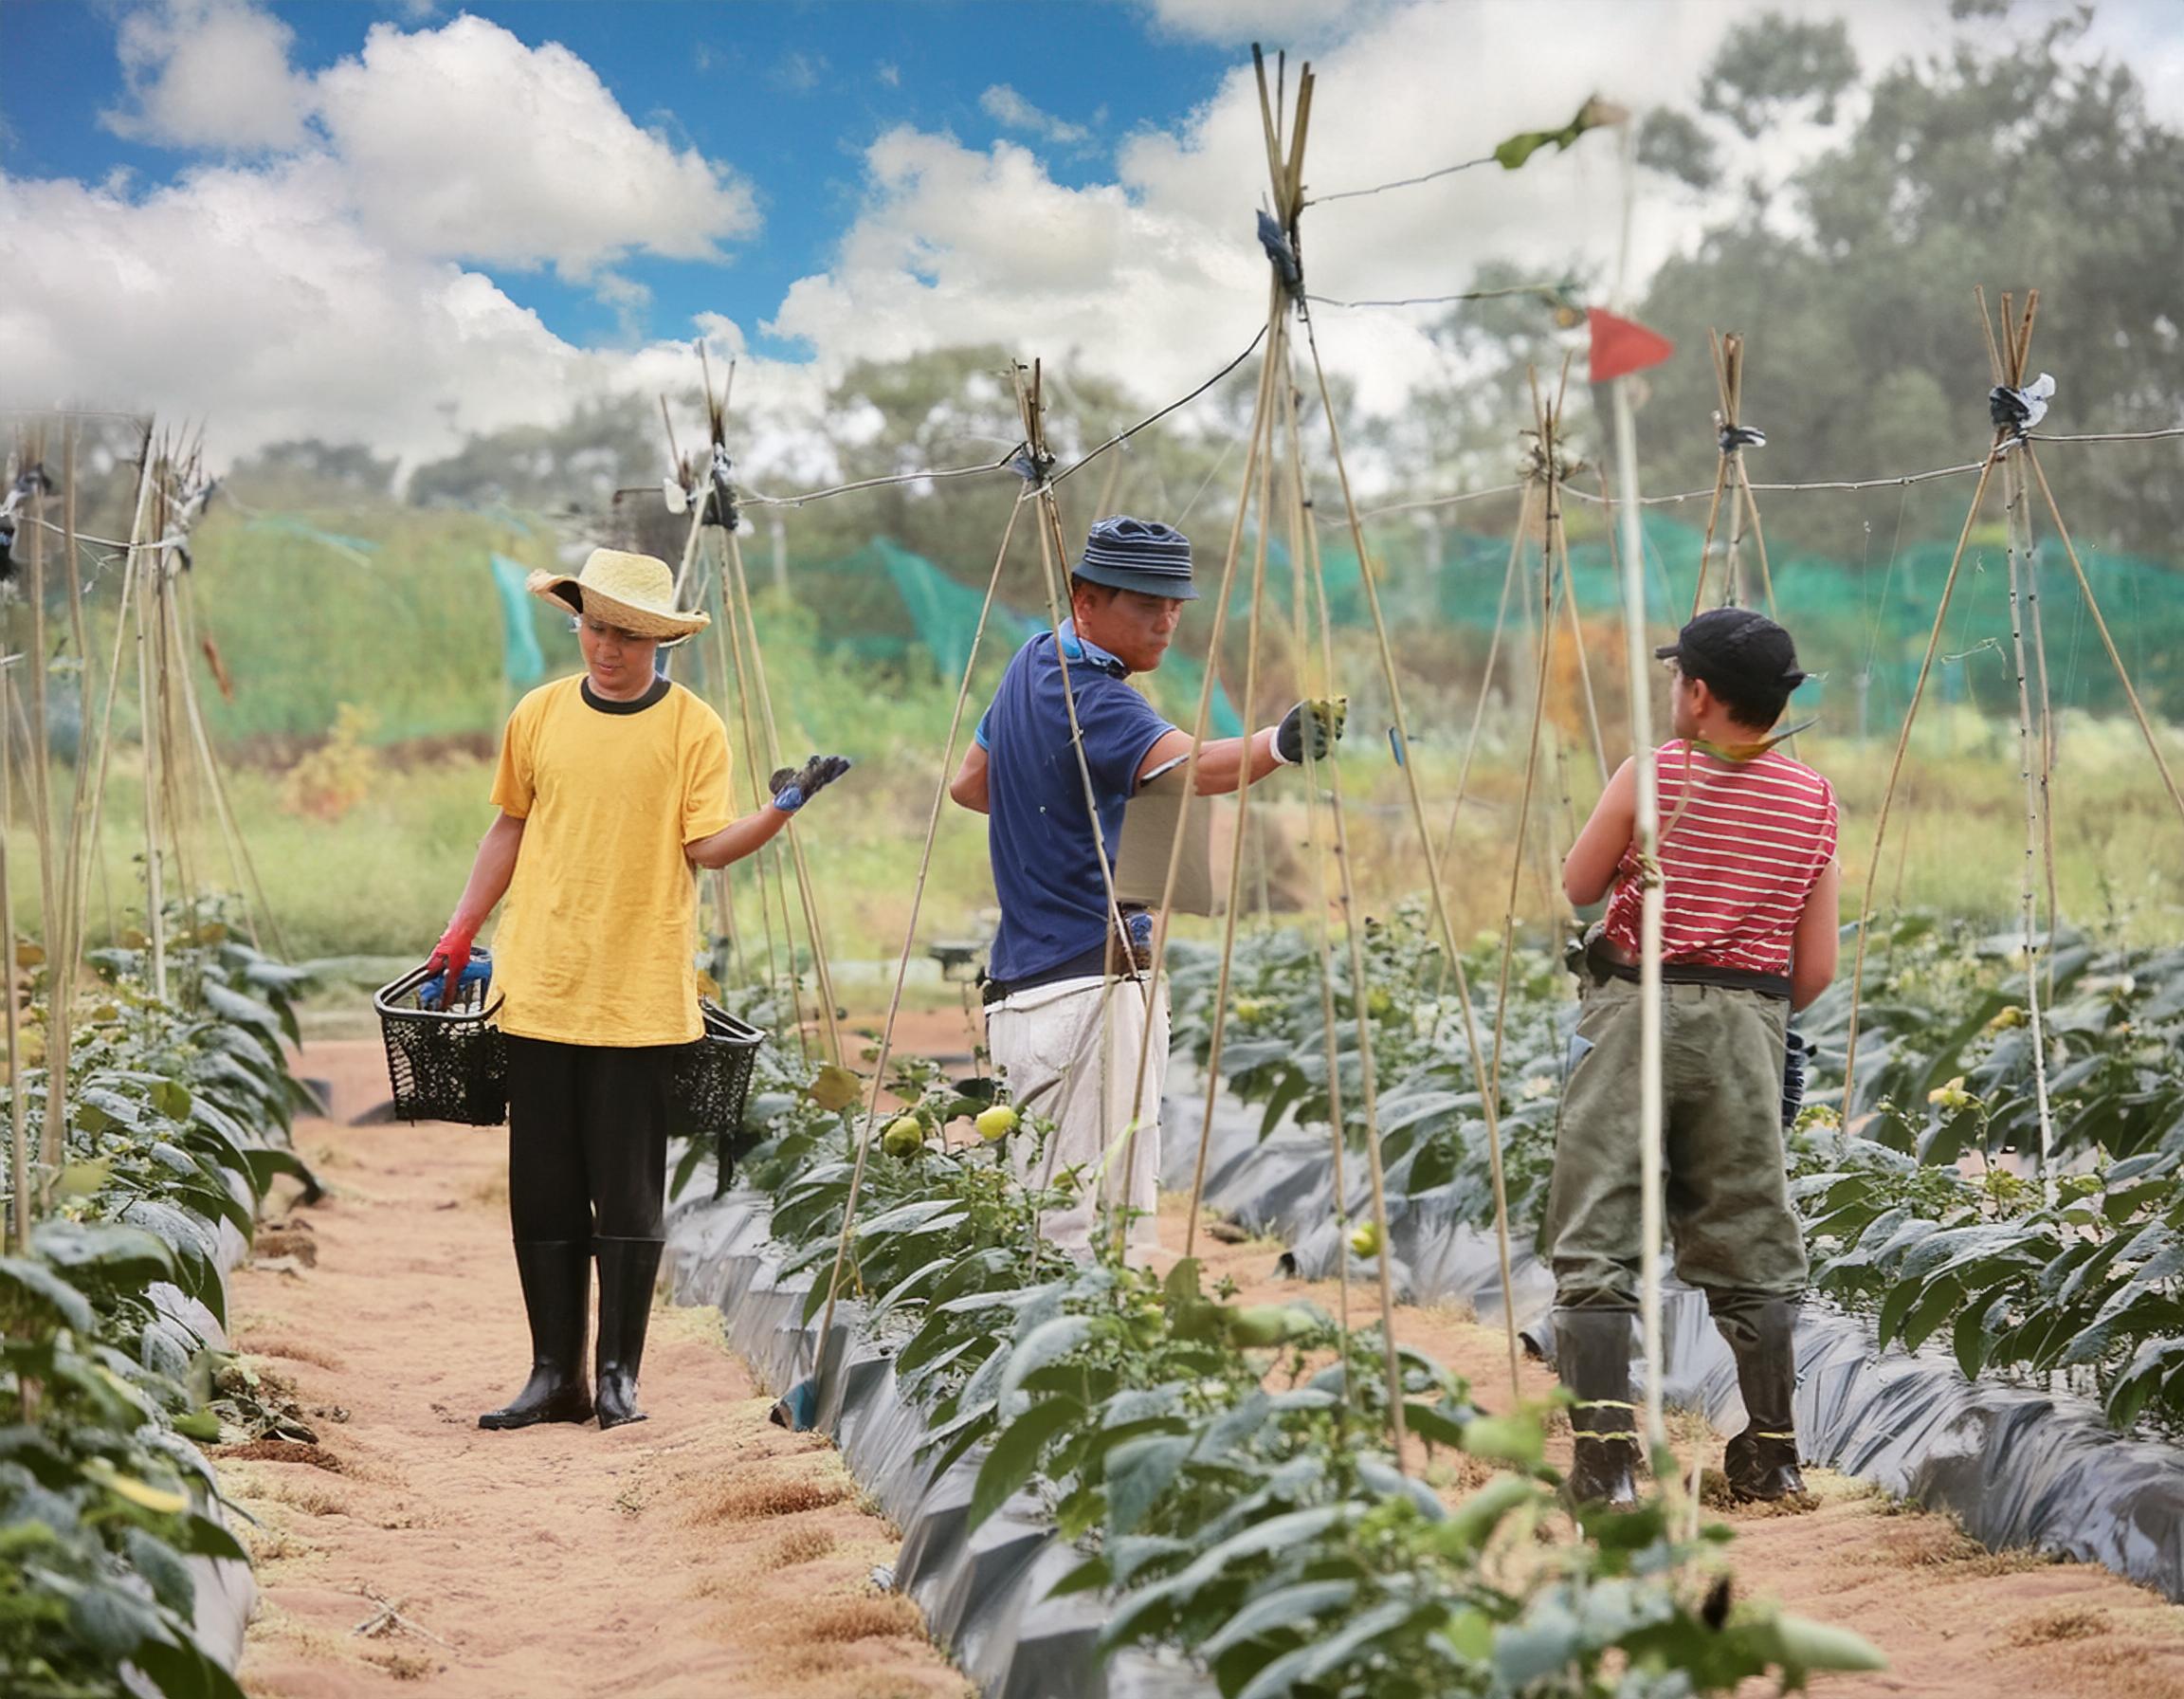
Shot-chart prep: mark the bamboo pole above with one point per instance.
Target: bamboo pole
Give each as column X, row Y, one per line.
column 148, row 718
column 1220, row 1017
column 910, row 928
column 18, row 1136
column 1490, row 1110
column 1549, row 423
column 2018, row 531
column 1888, row 791
column 1369, row 1087
column 2108, row 638
column 1647, row 832
column 727, row 642
column 1509, row 577
column 1202, row 719
column 1316, row 683
column 1053, row 554
column 41, row 778
column 64, row 929
column 807, row 892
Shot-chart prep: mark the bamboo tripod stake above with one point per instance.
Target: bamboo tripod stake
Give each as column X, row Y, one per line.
column 2009, row 368
column 910, row 929
column 1549, row 419
column 1317, row 679
column 2005, row 444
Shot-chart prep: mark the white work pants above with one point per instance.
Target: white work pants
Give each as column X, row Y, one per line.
column 1070, row 1051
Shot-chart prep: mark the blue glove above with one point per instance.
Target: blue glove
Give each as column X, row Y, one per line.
column 793, row 787
column 478, row 972
column 1796, row 1056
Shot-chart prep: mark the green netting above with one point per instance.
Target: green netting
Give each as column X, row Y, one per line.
column 943, row 617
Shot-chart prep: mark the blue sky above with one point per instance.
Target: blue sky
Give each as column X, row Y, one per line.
column 789, row 94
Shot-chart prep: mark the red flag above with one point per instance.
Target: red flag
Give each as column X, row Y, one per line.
column 1622, row 346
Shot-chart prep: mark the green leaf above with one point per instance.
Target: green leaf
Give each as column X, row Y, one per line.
column 1285, row 1607
column 1312, row 1663
column 834, row 1089
column 1801, row 1645
column 39, row 1283
column 1138, row 1471
column 1518, row 1439
column 1017, row 1451
column 1471, row 1523
column 112, row 1622
column 268, row 1160
column 172, row 1099
column 1046, row 1343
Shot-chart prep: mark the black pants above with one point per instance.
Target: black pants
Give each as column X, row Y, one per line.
column 588, row 1140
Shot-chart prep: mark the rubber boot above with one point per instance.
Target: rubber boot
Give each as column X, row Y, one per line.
column 1592, row 1358
column 628, row 1268
column 1761, row 1462
column 557, row 1276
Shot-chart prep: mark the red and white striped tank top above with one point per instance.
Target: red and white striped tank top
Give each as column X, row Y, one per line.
column 1742, row 844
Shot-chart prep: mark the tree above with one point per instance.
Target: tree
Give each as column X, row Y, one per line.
column 2012, row 163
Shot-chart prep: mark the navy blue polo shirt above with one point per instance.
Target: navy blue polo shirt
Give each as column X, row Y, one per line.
column 1046, row 867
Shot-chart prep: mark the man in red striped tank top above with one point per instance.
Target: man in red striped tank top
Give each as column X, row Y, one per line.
column 1748, row 866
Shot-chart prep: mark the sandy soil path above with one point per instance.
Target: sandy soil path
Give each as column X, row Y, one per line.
column 703, row 1552
column 1957, row 1621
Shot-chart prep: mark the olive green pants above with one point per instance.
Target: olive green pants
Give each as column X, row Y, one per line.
column 1726, row 1193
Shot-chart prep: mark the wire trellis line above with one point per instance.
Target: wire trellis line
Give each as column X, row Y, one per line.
column 1352, row 195
column 2167, row 432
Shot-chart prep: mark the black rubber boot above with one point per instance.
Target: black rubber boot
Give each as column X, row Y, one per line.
column 628, row 1268
column 556, row 1277
column 1592, row 1358
column 1761, row 1462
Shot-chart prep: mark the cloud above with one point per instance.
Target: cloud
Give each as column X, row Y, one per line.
column 889, row 74
column 240, row 297
column 799, row 73
column 1011, row 110
column 209, row 74
column 1278, row 22
column 1156, row 278
column 956, row 244
column 332, row 285
column 552, row 170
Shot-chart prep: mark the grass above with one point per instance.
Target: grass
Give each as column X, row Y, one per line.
column 378, row 880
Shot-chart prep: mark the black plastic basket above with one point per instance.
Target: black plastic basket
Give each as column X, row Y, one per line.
column 712, row 1082
column 442, row 1063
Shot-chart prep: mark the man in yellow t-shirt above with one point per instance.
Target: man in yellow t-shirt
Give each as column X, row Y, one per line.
column 613, row 787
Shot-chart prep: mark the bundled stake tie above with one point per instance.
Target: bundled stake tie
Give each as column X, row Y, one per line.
column 1735, row 437
column 721, row 501
column 2018, row 410
column 1032, row 467
column 1283, row 257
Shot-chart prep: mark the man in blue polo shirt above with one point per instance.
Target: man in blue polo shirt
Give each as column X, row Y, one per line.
column 1066, row 998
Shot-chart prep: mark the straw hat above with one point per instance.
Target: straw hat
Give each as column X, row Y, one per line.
column 633, row 592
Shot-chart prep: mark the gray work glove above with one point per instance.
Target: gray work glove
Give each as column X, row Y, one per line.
column 1319, row 720
column 793, row 787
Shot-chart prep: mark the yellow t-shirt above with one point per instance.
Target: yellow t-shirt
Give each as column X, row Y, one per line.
column 599, row 930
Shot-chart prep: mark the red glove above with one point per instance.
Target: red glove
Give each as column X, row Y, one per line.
column 451, row 955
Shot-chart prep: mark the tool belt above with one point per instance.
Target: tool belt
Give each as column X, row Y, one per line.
column 1590, row 958
column 1125, row 953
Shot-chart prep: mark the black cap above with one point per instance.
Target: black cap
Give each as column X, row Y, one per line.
column 1736, row 650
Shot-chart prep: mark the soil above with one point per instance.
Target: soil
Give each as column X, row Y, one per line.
column 701, row 1553
column 1957, row 1621
column 705, row 1552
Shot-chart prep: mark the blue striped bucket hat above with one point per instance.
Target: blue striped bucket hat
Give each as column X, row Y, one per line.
column 1140, row 555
